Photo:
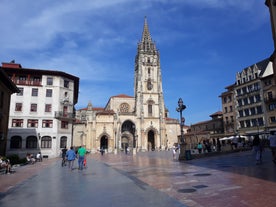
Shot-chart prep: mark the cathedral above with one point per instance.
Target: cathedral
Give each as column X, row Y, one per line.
column 137, row 123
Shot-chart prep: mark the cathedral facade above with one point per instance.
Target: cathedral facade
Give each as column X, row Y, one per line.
column 139, row 122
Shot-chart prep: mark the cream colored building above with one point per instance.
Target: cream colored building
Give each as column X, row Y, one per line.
column 137, row 122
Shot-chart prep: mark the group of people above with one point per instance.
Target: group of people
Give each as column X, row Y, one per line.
column 70, row 155
column 31, row 159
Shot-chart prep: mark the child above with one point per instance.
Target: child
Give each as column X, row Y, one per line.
column 84, row 162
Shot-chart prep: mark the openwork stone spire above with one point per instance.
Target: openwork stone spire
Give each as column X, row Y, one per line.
column 146, row 44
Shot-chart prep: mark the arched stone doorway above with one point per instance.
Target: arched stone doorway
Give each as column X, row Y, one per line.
column 125, row 142
column 128, row 135
column 151, row 142
column 104, row 142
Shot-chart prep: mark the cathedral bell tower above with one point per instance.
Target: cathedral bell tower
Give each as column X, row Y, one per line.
column 149, row 100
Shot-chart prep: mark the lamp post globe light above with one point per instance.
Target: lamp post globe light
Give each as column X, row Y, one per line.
column 180, row 109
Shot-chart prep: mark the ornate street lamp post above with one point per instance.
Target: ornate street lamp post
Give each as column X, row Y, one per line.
column 181, row 107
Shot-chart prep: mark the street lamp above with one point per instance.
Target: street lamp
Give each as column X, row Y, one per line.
column 181, row 107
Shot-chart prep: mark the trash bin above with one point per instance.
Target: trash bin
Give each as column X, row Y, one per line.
column 188, row 154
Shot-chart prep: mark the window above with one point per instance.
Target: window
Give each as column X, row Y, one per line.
column 252, row 111
column 21, row 92
column 32, row 123
column 18, row 106
column 259, row 110
column 150, row 110
column 240, row 102
column 33, row 107
column 17, row 123
column 63, row 142
column 246, row 111
column 258, row 98
column 231, row 108
column 48, row 107
column 34, row 91
column 251, row 99
column 31, row 142
column 273, row 119
column 272, row 107
column 225, row 109
column 260, row 121
column 66, row 83
column 16, row 142
column 46, row 142
column 49, row 92
column 22, row 79
column 124, row 107
column 241, row 113
column 49, row 81
column 238, row 92
column 47, row 123
column 269, row 95
column 64, row 124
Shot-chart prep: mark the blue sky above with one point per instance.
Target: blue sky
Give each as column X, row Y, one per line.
column 202, row 44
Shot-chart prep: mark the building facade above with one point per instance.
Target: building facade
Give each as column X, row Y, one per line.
column 7, row 87
column 138, row 122
column 42, row 112
column 249, row 98
column 206, row 131
column 229, row 111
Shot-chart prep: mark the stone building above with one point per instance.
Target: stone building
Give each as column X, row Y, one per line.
column 138, row 122
column 206, row 131
column 229, row 111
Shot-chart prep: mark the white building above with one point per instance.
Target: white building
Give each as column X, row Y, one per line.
column 42, row 113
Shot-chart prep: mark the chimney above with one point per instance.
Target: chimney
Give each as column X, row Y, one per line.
column 11, row 64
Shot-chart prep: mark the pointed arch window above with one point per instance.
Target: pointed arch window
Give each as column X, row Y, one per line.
column 150, row 108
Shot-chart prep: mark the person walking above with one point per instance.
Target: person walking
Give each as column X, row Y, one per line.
column 174, row 152
column 81, row 156
column 71, row 156
column 199, row 147
column 257, row 148
column 272, row 145
column 63, row 155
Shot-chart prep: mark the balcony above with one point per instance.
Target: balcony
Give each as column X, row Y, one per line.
column 64, row 115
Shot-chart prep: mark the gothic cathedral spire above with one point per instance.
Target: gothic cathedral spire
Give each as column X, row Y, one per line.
column 149, row 101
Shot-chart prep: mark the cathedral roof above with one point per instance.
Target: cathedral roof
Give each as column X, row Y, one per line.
column 122, row 96
column 106, row 112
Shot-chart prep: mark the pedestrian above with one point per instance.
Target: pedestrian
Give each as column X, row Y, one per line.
column 199, row 148
column 102, row 151
column 63, row 155
column 39, row 157
column 174, row 152
column 272, row 145
column 81, row 156
column 71, row 156
column 257, row 149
